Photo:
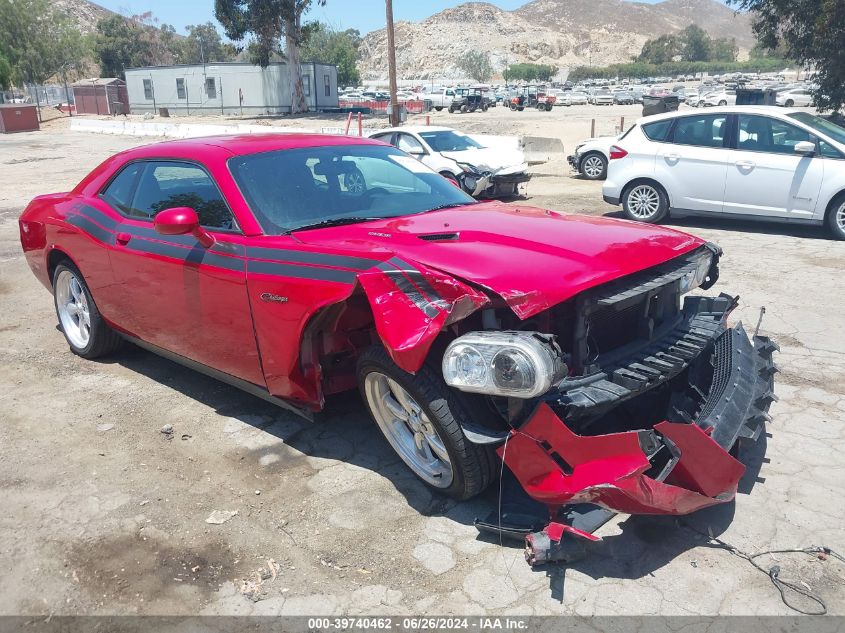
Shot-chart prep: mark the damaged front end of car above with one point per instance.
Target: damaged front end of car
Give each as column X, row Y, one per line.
column 631, row 397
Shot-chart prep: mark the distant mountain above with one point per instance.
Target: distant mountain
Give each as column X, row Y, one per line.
column 561, row 32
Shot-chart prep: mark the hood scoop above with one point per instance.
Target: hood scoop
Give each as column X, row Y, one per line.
column 440, row 237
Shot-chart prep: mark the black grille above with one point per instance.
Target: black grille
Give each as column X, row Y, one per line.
column 611, row 328
column 721, row 374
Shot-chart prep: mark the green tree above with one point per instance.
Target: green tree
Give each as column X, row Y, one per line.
column 324, row 44
column 129, row 42
column 723, row 50
column 660, row 50
column 530, row 72
column 204, row 44
column 37, row 40
column 267, row 21
column 5, row 73
column 477, row 65
column 695, row 44
column 812, row 32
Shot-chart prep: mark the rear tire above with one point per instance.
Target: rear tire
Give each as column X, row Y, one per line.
column 723, row 103
column 836, row 217
column 425, row 428
column 86, row 333
column 438, row 108
column 645, row 201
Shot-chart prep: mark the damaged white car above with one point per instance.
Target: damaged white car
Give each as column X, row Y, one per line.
column 478, row 170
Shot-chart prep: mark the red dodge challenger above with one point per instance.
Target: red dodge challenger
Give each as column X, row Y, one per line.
column 299, row 266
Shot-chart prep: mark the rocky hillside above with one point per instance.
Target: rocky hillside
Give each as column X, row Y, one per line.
column 82, row 13
column 561, row 32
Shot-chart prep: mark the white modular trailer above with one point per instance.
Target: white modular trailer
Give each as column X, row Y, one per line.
column 228, row 88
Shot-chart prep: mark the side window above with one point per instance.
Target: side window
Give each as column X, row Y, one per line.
column 701, row 131
column 148, row 89
column 118, row 193
column 408, row 143
column 306, row 84
column 327, row 84
column 450, row 93
column 180, row 89
column 167, row 184
column 210, row 88
column 384, row 138
column 657, row 131
column 762, row 134
column 829, row 151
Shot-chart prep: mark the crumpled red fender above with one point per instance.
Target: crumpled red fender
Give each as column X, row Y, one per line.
column 412, row 303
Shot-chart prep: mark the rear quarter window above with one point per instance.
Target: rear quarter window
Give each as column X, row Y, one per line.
column 657, row 131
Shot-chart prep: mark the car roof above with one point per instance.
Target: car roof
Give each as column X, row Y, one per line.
column 749, row 109
column 242, row 144
column 416, row 129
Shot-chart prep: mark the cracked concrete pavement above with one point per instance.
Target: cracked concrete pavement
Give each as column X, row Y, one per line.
column 103, row 515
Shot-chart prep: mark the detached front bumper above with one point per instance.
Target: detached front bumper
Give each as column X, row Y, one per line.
column 574, row 161
column 675, row 467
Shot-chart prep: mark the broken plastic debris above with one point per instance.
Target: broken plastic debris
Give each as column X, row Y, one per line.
column 220, row 516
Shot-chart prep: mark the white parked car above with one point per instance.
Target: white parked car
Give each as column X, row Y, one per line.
column 794, row 97
column 601, row 97
column 572, row 97
column 719, row 98
column 478, row 170
column 591, row 157
column 759, row 162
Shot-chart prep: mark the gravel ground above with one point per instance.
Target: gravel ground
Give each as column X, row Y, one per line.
column 103, row 514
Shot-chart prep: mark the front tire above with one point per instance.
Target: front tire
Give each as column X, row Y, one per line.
column 723, row 103
column 645, row 202
column 421, row 419
column 836, row 218
column 438, row 108
column 86, row 333
column 789, row 103
column 594, row 166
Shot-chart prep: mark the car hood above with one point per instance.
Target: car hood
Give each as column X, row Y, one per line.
column 532, row 258
column 497, row 161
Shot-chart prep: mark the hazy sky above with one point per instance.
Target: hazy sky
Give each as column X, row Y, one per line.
column 364, row 15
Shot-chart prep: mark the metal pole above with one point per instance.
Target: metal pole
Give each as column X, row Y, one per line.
column 67, row 98
column 187, row 102
column 153, row 89
column 593, row 128
column 391, row 64
column 221, row 94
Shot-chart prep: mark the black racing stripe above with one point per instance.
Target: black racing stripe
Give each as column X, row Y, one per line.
column 302, row 257
column 420, row 281
column 196, row 255
column 97, row 232
column 407, row 288
column 95, row 214
column 301, row 272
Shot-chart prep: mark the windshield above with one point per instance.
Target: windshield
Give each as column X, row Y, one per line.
column 448, row 141
column 289, row 189
column 829, row 129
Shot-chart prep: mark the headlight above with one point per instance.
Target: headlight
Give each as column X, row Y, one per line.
column 697, row 276
column 516, row 364
column 472, row 169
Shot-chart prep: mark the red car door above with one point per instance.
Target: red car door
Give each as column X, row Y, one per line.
column 172, row 292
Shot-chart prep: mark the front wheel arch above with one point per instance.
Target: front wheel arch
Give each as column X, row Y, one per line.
column 653, row 183
column 830, row 215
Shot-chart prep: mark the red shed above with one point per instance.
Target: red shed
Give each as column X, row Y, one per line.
column 101, row 96
column 18, row 117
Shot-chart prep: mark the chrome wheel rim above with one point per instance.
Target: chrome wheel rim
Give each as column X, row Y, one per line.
column 840, row 217
column 593, row 166
column 643, row 202
column 354, row 182
column 408, row 429
column 72, row 306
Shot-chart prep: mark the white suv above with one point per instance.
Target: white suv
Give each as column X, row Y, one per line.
column 758, row 162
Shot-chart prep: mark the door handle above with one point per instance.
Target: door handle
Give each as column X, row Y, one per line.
column 123, row 238
column 745, row 164
column 673, row 156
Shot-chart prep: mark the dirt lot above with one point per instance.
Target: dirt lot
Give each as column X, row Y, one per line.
column 101, row 513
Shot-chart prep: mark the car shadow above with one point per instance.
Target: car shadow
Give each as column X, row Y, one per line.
column 746, row 226
column 345, row 433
